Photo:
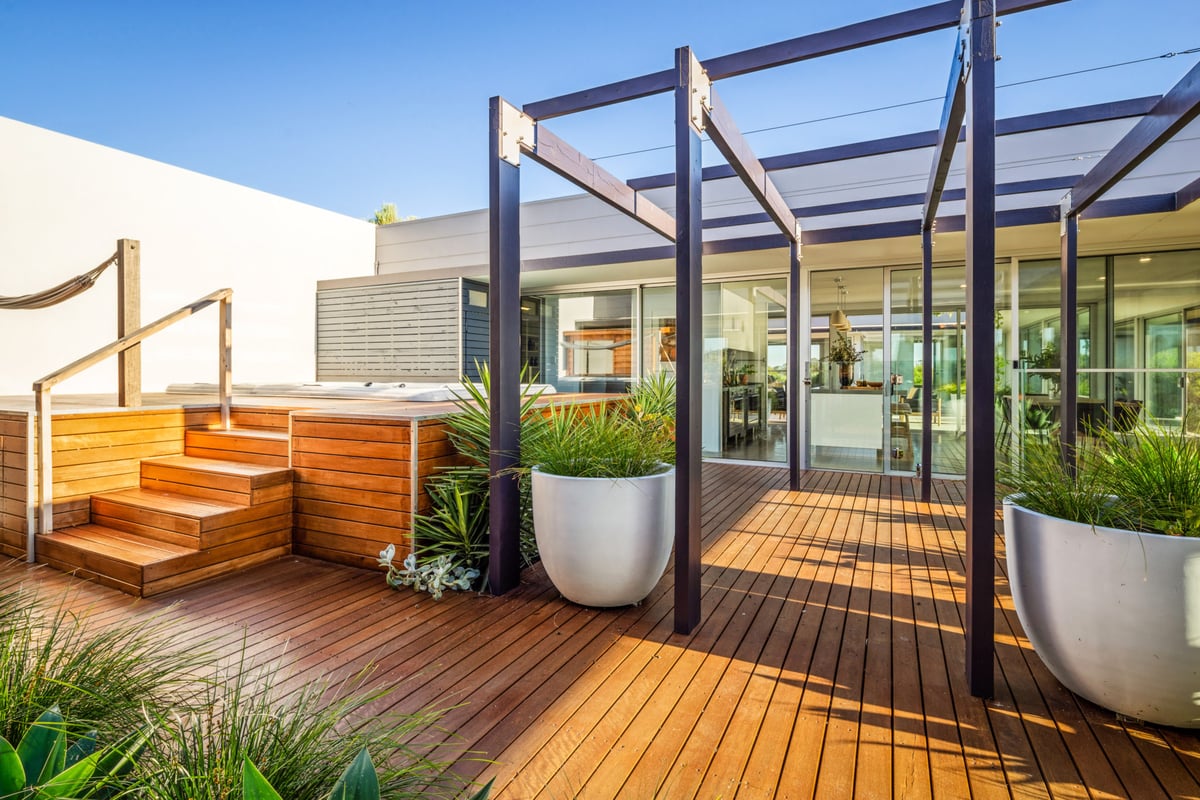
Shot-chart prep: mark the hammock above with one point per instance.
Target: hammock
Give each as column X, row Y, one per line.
column 57, row 294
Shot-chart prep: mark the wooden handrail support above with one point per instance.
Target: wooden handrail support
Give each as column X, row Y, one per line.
column 41, row 389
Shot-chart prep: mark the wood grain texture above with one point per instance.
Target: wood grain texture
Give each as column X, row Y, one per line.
column 829, row 663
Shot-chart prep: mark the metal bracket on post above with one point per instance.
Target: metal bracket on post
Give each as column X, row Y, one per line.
column 964, row 41
column 799, row 237
column 1064, row 212
column 701, row 88
column 516, row 130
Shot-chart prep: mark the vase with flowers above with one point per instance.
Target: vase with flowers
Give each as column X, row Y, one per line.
column 845, row 354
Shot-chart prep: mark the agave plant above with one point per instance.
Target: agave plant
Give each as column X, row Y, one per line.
column 457, row 523
column 42, row 765
column 358, row 782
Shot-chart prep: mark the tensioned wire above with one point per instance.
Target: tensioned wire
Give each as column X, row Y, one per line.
column 1171, row 54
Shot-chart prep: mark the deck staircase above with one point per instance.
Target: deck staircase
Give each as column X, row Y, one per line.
column 223, row 506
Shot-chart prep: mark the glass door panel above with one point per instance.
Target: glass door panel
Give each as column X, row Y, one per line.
column 846, row 403
column 906, row 372
column 909, row 372
column 1164, row 348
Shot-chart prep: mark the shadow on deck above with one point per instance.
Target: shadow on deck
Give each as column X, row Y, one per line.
column 829, row 663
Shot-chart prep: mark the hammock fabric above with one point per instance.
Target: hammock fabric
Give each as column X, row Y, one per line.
column 57, row 294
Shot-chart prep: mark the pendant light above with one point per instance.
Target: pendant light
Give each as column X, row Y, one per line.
column 838, row 321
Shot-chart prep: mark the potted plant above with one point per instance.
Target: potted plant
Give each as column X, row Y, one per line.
column 1104, row 565
column 843, row 353
column 603, row 496
column 1048, row 358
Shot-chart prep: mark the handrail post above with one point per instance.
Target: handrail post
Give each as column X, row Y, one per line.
column 31, row 497
column 45, row 456
column 129, row 319
column 225, row 380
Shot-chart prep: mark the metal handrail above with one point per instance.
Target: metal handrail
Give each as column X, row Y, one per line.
column 41, row 389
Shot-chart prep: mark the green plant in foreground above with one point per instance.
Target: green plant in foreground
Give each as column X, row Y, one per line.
column 299, row 741
column 43, row 766
column 358, row 782
column 457, row 522
column 101, row 678
column 434, row 576
column 1145, row 480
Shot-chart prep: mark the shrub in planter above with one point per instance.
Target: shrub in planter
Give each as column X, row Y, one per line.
column 603, row 501
column 1104, row 565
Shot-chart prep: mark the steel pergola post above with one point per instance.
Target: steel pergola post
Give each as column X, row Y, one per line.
column 689, row 327
column 504, row 398
column 981, row 309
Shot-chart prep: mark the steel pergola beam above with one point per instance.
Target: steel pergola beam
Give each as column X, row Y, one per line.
column 1187, row 195
column 837, row 40
column 1010, row 126
column 1068, row 414
column 708, row 113
column 953, row 111
column 1169, row 116
column 737, row 151
column 561, row 158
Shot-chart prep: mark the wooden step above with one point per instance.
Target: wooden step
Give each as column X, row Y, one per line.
column 188, row 521
column 236, row 482
column 145, row 567
column 249, row 445
column 111, row 557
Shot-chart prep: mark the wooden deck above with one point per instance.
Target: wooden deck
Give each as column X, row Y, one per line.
column 829, row 664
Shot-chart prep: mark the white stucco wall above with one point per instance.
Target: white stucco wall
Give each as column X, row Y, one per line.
column 64, row 203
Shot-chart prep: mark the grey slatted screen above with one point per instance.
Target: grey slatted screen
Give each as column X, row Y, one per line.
column 393, row 331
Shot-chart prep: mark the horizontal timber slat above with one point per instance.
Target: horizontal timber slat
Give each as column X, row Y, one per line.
column 390, row 467
column 353, row 431
column 829, row 662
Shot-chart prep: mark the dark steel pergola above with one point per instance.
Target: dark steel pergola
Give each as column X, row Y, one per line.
column 969, row 103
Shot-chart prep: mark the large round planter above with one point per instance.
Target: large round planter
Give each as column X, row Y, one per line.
column 1114, row 614
column 604, row 542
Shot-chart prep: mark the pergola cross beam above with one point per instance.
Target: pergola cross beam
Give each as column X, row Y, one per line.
column 914, row 22
column 724, row 133
column 1169, row 116
column 532, row 138
column 954, row 110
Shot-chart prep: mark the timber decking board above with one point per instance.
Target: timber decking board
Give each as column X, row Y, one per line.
column 829, row 663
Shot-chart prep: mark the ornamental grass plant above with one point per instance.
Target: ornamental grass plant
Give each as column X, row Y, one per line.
column 1145, row 480
column 595, row 443
column 301, row 743
column 101, row 677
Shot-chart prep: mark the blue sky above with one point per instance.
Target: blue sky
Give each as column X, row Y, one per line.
column 347, row 105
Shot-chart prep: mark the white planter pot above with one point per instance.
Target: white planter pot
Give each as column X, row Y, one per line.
column 1114, row 614
column 604, row 542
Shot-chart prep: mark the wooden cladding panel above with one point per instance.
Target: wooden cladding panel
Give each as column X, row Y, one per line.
column 103, row 451
column 352, row 486
column 262, row 417
column 13, row 488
